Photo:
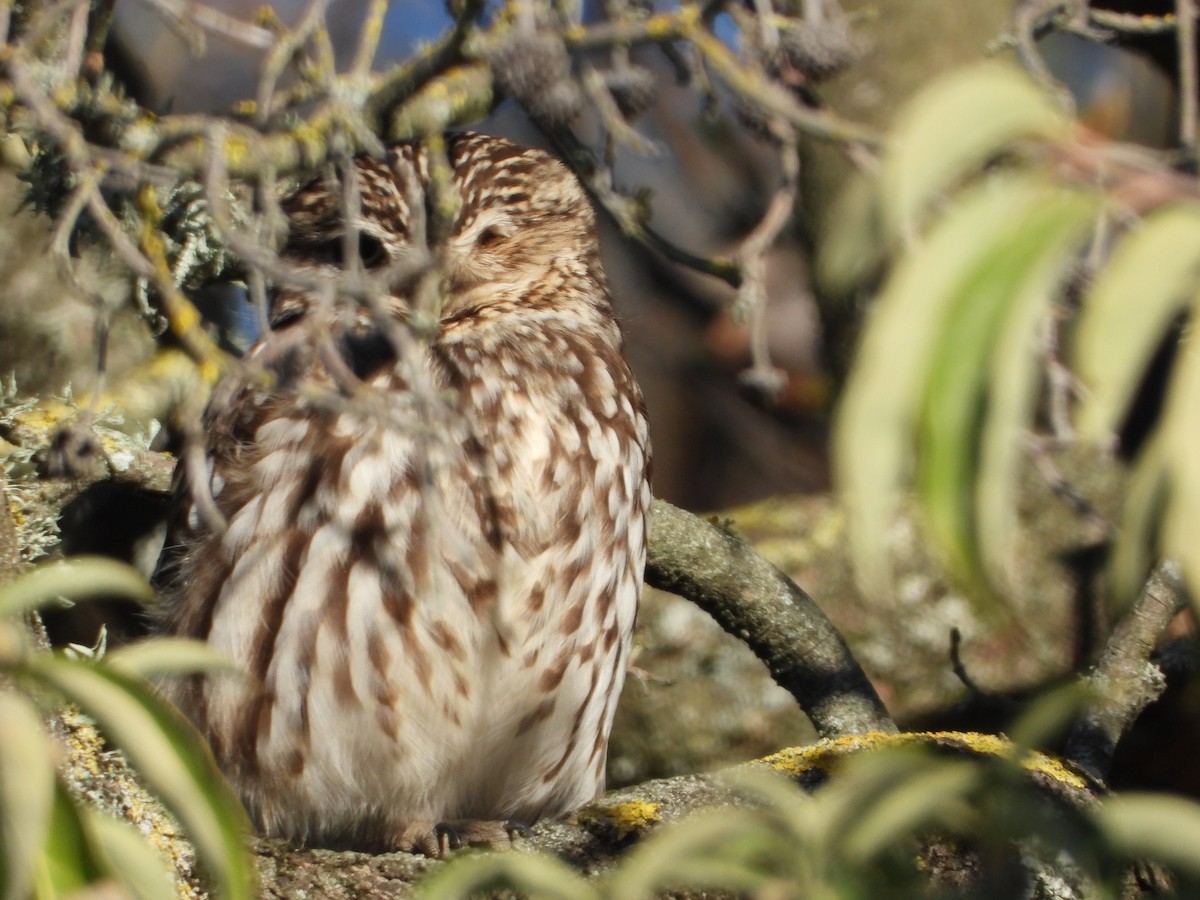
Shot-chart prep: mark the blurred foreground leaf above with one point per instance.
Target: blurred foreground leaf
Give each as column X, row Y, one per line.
column 952, row 128
column 26, row 793
column 46, row 838
column 1151, row 277
column 166, row 752
column 1154, row 826
column 945, row 376
column 76, row 579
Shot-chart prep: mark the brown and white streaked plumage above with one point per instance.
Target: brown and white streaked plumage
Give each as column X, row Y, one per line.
column 433, row 557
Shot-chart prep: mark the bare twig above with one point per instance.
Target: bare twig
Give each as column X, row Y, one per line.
column 281, row 53
column 1130, row 23
column 631, row 214
column 1185, row 39
column 441, row 57
column 752, row 256
column 77, row 32
column 618, row 129
column 776, row 100
column 193, row 19
column 1031, row 19
column 368, row 39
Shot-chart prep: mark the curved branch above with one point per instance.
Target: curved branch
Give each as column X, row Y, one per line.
column 758, row 603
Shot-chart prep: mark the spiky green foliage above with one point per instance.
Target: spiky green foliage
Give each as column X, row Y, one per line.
column 51, row 843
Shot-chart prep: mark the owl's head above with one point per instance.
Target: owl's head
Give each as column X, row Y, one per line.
column 523, row 221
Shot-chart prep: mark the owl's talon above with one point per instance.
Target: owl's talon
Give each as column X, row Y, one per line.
column 518, row 829
column 447, row 838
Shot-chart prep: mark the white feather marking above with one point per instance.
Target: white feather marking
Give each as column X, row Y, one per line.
column 242, row 528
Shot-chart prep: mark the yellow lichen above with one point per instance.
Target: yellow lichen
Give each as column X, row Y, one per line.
column 47, row 415
column 828, row 754
column 309, row 139
column 623, row 819
column 665, row 26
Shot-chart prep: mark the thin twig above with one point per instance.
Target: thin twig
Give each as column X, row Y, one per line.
column 368, row 39
column 1030, row 20
column 1185, row 40
column 405, row 79
column 184, row 13
column 751, row 255
column 47, row 19
column 280, row 56
column 631, row 214
column 76, row 46
column 620, row 130
column 777, row 100
column 1130, row 23
column 258, row 251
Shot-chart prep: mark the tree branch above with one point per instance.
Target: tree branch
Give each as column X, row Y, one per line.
column 1125, row 680
column 756, row 602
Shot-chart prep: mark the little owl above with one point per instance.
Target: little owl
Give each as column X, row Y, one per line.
column 424, row 524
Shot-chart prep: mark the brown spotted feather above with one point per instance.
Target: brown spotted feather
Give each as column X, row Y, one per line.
column 433, row 546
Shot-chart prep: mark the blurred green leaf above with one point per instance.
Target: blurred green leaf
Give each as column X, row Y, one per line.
column 13, row 642
column 165, row 656
column 1151, row 276
column 78, row 578
column 908, row 335
column 797, row 813
column 934, row 793
column 26, row 793
column 67, row 864
column 863, row 782
column 535, row 875
column 131, row 861
column 669, row 857
column 1047, row 718
column 969, row 444
column 1180, row 435
column 954, row 126
column 172, row 759
column 1145, row 499
column 872, row 438
column 852, row 242
column 1153, row 826
column 1015, row 375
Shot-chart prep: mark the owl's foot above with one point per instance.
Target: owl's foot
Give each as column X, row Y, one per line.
column 439, row 839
